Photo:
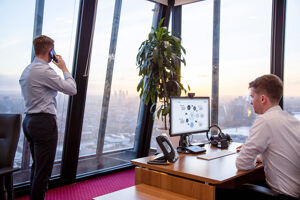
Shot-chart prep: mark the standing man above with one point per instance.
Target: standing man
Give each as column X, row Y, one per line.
column 275, row 137
column 39, row 84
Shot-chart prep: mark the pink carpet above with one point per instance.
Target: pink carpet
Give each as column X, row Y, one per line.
column 89, row 189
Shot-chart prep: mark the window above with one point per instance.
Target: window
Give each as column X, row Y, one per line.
column 16, row 47
column 96, row 82
column 15, row 50
column 124, row 99
column 197, row 40
column 61, row 26
column 292, row 60
column 197, row 23
column 245, row 35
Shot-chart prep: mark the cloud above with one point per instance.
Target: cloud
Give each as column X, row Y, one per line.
column 252, row 17
column 9, row 43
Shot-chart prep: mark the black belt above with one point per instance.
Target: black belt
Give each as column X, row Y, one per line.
column 41, row 114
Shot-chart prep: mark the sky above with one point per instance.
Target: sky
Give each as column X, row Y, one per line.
column 244, row 42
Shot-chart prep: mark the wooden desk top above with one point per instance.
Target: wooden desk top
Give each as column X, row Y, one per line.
column 143, row 192
column 214, row 171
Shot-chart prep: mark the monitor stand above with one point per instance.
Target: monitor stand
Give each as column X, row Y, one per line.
column 186, row 147
column 183, row 143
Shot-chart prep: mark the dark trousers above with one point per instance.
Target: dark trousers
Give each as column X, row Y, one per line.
column 238, row 194
column 41, row 132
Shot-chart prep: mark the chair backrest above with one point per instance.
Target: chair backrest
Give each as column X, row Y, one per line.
column 10, row 125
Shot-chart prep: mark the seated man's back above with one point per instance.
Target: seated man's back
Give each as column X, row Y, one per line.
column 282, row 157
column 275, row 135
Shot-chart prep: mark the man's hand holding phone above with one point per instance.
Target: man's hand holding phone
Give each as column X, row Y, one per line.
column 58, row 61
column 52, row 55
column 61, row 63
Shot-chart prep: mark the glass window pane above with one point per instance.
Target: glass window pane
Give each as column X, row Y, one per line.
column 135, row 22
column 61, row 26
column 93, row 105
column 292, row 59
column 197, row 22
column 15, row 50
column 197, row 41
column 124, row 99
column 16, row 47
column 245, row 36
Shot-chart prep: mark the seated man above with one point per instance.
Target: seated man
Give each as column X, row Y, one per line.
column 275, row 136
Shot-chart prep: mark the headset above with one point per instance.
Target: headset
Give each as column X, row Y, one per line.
column 220, row 140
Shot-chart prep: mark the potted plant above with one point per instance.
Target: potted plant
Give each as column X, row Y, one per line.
column 158, row 60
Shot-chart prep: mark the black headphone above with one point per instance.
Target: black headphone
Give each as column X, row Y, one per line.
column 220, row 140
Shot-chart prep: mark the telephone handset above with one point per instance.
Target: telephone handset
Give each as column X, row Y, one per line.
column 52, row 55
column 170, row 155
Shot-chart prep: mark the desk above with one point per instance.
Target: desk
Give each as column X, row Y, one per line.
column 142, row 192
column 195, row 177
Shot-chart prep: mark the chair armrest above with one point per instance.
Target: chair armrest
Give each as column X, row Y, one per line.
column 8, row 170
column 260, row 189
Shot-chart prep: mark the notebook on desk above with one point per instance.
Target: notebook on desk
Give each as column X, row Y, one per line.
column 214, row 155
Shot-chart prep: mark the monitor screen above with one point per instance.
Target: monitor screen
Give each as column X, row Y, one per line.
column 189, row 115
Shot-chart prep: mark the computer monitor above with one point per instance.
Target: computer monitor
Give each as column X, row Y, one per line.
column 189, row 115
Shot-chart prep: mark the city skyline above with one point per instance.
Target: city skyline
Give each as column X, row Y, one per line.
column 121, row 124
column 234, row 119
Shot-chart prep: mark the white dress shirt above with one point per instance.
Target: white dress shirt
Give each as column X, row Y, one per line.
column 276, row 136
column 40, row 83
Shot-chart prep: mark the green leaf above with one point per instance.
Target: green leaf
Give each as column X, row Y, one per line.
column 160, row 22
column 165, row 112
column 147, row 99
column 152, row 97
column 158, row 60
column 183, row 60
column 183, row 50
column 140, row 85
column 178, row 85
column 152, row 107
column 150, row 36
column 158, row 113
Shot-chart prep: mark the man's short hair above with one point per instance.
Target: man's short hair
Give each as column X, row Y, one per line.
column 269, row 84
column 41, row 44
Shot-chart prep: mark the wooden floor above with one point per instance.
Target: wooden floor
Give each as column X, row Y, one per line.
column 143, row 192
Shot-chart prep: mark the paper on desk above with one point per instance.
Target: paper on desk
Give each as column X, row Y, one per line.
column 217, row 154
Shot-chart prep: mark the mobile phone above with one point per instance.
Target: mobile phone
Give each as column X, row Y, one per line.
column 52, row 52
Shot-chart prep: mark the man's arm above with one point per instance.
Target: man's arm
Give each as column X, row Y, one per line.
column 256, row 143
column 55, row 82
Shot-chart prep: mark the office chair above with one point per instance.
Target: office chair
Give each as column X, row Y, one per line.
column 9, row 136
column 265, row 193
